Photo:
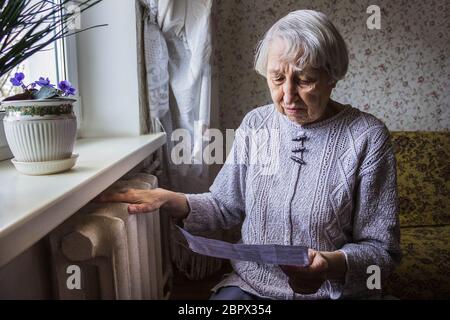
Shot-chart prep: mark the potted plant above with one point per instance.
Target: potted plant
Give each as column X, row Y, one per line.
column 40, row 126
column 27, row 27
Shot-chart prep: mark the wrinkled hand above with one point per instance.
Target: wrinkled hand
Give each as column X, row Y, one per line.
column 307, row 280
column 141, row 201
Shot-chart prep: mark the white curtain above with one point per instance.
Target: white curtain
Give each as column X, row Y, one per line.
column 177, row 40
column 177, row 46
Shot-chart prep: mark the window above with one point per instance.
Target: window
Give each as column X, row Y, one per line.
column 54, row 62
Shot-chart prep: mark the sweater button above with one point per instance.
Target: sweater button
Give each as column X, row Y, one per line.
column 299, row 149
column 299, row 137
column 298, row 160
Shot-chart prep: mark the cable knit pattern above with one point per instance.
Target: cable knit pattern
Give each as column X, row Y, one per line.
column 329, row 186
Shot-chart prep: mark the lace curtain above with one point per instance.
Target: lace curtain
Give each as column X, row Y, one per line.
column 176, row 43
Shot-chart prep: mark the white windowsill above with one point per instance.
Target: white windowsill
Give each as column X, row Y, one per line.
column 31, row 206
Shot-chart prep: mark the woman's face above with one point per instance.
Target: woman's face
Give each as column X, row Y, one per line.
column 301, row 96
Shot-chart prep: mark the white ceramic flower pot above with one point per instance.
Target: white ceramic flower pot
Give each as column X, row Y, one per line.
column 40, row 130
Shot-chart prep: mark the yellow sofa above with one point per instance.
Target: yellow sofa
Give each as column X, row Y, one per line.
column 423, row 171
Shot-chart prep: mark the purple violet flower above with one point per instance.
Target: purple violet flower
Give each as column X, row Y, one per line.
column 17, row 80
column 71, row 91
column 44, row 82
column 66, row 87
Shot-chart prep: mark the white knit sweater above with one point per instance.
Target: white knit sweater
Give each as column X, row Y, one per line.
column 329, row 186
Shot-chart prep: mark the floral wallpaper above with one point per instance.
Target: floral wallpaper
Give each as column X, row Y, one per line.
column 400, row 73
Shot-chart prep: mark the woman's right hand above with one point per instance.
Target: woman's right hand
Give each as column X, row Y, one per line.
column 142, row 201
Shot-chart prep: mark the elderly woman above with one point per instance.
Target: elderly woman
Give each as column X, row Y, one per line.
column 331, row 185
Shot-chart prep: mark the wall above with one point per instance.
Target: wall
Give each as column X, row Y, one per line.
column 28, row 276
column 108, row 70
column 399, row 73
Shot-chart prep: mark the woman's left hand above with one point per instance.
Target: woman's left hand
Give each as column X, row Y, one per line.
column 307, row 280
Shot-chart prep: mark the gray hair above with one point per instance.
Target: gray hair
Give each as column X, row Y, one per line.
column 312, row 39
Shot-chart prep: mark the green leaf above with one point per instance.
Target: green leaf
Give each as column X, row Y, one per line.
column 28, row 26
column 45, row 93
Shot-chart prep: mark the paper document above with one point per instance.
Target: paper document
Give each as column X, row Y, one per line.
column 267, row 254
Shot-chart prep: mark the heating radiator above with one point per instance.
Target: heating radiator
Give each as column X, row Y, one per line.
column 120, row 256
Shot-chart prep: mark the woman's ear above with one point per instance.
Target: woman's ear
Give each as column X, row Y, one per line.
column 333, row 83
